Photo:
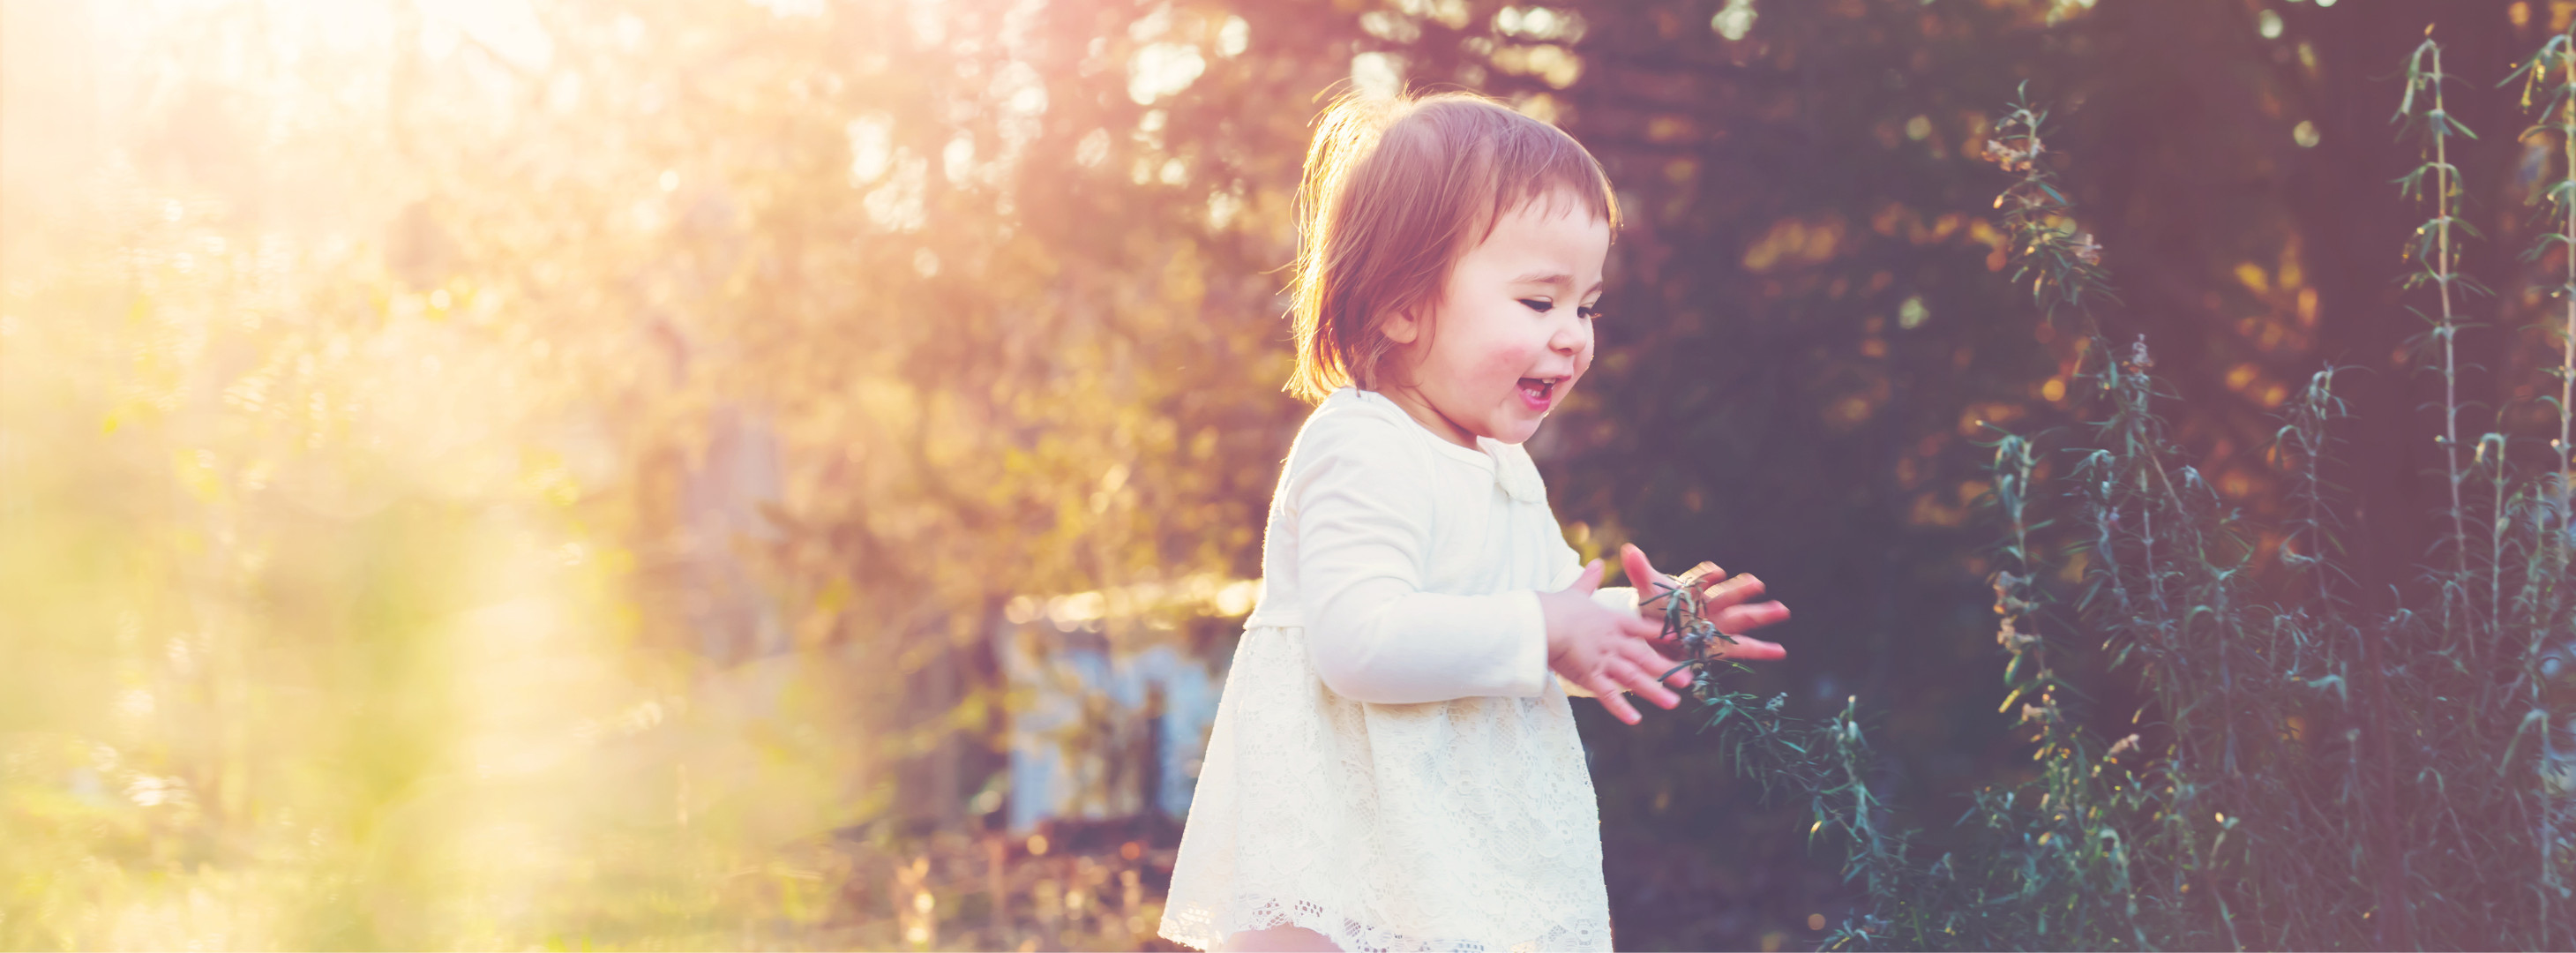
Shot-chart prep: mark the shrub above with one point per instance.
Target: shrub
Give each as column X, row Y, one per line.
column 2308, row 771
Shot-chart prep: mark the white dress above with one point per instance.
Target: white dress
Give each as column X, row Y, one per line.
column 1392, row 765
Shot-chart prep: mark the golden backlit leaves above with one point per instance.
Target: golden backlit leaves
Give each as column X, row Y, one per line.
column 1948, row 509
column 2287, row 325
column 1849, row 411
column 1556, row 65
column 2253, row 277
column 1895, row 220
column 1539, row 106
column 1541, row 24
column 338, row 606
column 1794, row 241
column 1921, row 460
column 1453, row 14
column 994, row 290
column 474, row 457
column 1974, row 418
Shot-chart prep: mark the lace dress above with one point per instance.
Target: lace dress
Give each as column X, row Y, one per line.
column 1391, row 763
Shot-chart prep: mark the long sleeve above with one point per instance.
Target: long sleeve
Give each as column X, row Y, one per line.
column 1570, row 564
column 1364, row 533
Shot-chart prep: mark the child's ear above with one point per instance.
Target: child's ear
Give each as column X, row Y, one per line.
column 1401, row 327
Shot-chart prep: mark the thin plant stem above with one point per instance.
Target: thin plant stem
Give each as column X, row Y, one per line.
column 2434, row 249
column 2566, row 475
column 2446, row 185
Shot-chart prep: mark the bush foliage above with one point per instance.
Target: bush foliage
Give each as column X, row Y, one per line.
column 549, row 474
column 2313, row 767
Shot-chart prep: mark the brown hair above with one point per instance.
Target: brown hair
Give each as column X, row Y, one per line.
column 1395, row 191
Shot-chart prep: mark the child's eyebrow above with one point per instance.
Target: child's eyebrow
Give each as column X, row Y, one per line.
column 1550, row 278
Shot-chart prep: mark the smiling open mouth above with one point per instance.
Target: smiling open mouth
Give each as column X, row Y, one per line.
column 1539, row 389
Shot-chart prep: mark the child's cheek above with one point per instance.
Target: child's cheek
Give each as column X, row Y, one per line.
column 1506, row 362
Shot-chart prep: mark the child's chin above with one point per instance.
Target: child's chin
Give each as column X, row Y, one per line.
column 1516, row 431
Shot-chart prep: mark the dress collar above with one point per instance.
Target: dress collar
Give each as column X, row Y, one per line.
column 1513, row 470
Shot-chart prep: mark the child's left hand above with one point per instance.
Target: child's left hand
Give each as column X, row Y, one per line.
column 1725, row 605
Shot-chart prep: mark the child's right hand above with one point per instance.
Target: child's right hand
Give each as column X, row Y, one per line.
column 1604, row 650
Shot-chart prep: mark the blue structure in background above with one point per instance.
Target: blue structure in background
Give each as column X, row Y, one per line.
column 1097, row 732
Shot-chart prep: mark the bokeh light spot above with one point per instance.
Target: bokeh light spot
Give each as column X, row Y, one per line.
column 1735, row 20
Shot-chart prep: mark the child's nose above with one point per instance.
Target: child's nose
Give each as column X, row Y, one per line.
column 1570, row 339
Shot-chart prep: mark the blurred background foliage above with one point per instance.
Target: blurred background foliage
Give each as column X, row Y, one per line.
column 497, row 473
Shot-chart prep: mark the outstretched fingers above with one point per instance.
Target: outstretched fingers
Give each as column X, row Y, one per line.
column 1658, row 670
column 1632, row 669
column 1667, row 648
column 1734, row 619
column 1724, row 601
column 1729, row 604
column 1722, row 592
column 1651, row 582
column 1608, row 691
column 1641, row 627
column 1746, row 648
column 1643, row 678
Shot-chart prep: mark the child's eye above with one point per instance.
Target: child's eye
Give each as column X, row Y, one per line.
column 1543, row 306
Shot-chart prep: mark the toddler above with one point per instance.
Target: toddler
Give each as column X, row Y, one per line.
column 1392, row 766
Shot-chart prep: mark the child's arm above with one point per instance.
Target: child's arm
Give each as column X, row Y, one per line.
column 1363, row 499
column 1363, row 505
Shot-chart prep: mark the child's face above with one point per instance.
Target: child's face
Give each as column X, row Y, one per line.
column 1513, row 330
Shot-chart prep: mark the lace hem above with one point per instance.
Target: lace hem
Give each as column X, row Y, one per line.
column 1201, row 928
column 1459, row 825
